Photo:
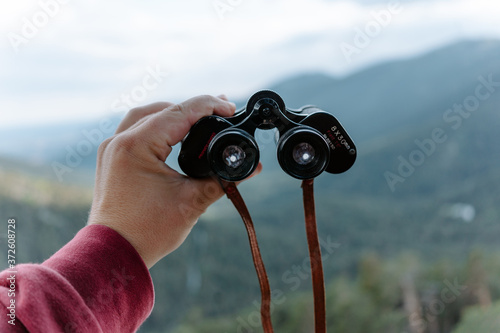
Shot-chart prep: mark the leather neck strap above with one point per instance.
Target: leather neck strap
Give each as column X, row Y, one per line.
column 314, row 255
column 265, row 306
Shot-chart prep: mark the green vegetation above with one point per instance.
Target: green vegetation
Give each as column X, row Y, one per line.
column 480, row 319
column 401, row 294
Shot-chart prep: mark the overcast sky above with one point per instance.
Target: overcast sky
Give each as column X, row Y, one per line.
column 68, row 60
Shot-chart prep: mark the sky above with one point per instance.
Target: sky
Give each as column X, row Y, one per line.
column 68, row 60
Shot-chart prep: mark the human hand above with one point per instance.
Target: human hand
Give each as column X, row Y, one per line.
column 137, row 194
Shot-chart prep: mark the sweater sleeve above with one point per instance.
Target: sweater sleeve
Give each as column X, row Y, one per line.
column 95, row 283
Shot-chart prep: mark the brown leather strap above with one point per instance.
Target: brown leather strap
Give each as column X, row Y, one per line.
column 315, row 256
column 265, row 307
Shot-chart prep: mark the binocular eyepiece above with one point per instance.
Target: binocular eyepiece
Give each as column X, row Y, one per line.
column 233, row 154
column 310, row 141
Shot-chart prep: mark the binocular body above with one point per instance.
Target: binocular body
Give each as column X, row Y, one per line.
column 310, row 141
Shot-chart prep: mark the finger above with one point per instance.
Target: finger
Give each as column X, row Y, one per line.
column 255, row 173
column 223, row 97
column 207, row 191
column 170, row 126
column 139, row 113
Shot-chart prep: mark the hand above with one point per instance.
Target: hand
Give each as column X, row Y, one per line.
column 137, row 194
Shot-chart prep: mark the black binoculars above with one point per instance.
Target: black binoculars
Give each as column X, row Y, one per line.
column 310, row 141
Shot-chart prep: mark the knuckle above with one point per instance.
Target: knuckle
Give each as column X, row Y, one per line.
column 125, row 142
column 206, row 97
column 119, row 148
column 104, row 144
column 178, row 108
column 162, row 105
column 135, row 112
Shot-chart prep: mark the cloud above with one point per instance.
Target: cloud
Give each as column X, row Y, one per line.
column 93, row 51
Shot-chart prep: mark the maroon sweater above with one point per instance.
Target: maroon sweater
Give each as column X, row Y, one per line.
column 95, row 283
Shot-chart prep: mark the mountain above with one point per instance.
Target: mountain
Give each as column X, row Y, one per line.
column 397, row 95
column 372, row 103
column 425, row 181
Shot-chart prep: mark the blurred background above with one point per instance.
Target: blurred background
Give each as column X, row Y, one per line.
column 409, row 234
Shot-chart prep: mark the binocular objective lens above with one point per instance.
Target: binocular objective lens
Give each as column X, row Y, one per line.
column 233, row 156
column 303, row 153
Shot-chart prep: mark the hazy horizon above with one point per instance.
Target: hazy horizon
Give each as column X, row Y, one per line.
column 78, row 61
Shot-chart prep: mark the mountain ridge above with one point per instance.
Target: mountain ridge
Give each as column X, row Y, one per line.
column 349, row 98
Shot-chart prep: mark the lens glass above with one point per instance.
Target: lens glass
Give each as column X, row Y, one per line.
column 303, row 153
column 233, row 156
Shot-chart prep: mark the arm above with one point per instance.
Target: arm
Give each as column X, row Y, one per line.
column 95, row 283
column 142, row 210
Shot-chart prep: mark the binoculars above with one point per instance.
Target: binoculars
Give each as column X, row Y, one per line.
column 310, row 141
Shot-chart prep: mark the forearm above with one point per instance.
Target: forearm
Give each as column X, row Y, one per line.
column 96, row 283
